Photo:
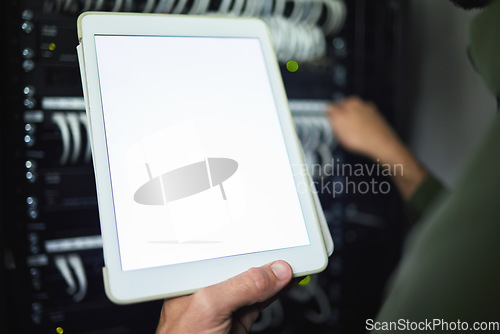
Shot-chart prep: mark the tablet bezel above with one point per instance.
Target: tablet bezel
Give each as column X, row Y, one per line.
column 155, row 283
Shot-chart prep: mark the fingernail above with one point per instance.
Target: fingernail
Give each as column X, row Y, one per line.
column 280, row 270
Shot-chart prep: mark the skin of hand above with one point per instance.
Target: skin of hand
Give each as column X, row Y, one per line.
column 360, row 128
column 231, row 306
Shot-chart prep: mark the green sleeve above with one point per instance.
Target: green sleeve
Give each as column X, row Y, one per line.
column 423, row 197
column 450, row 270
column 484, row 46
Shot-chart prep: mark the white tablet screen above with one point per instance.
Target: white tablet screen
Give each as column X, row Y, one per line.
column 198, row 163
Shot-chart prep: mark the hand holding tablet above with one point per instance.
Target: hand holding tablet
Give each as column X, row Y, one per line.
column 228, row 307
column 198, row 169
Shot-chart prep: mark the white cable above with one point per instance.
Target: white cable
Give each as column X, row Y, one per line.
column 148, row 7
column 67, row 5
column 305, row 132
column 203, row 7
column 314, row 51
column 312, row 43
column 62, row 266
column 286, row 33
column 267, row 8
column 165, row 6
column 265, row 320
column 335, row 16
column 74, row 127
column 87, row 5
column 83, row 120
column 304, row 48
column 289, row 35
column 253, row 8
column 311, row 145
column 297, row 41
column 297, row 11
column 303, row 294
column 279, row 8
column 117, row 6
column 58, row 6
column 298, row 127
column 310, row 139
column 293, row 33
column 99, row 4
column 237, row 7
column 326, row 139
column 274, row 35
column 330, row 16
column 306, row 10
column 316, row 133
column 248, row 9
column 272, row 315
column 314, row 13
column 324, row 149
column 170, row 6
column 325, row 310
column 59, row 119
column 329, row 136
column 224, row 7
column 75, row 261
column 258, row 8
column 179, row 7
column 321, row 42
column 343, row 14
column 129, row 4
column 194, row 7
column 160, row 6
column 326, row 158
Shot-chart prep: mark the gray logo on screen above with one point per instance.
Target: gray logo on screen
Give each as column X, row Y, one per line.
column 186, row 181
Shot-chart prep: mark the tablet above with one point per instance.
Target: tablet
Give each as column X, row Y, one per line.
column 198, row 169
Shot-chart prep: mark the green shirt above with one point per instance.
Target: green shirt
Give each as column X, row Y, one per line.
column 451, row 268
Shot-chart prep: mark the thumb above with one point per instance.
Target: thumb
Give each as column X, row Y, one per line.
column 254, row 286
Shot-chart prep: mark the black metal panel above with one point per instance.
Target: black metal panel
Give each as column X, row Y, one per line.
column 57, row 200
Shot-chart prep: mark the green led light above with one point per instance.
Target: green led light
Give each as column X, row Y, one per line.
column 305, row 281
column 59, row 330
column 292, row 66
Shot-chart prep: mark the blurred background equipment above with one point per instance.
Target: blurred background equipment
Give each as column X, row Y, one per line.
column 51, row 280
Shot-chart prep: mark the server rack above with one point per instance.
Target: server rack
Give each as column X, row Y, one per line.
column 50, row 243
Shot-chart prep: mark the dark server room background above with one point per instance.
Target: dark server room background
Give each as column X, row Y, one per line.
column 50, row 245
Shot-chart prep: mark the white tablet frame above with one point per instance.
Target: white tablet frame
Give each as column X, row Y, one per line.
column 155, row 283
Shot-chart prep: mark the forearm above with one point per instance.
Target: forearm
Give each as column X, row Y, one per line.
column 361, row 129
column 408, row 173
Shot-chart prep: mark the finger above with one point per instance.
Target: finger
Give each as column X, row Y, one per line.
column 333, row 110
column 244, row 321
column 172, row 309
column 247, row 316
column 254, row 286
